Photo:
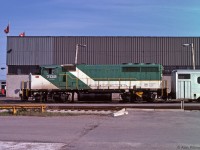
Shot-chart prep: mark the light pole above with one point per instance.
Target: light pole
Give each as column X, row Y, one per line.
column 77, row 46
column 193, row 58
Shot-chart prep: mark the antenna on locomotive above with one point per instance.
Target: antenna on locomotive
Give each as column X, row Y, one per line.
column 77, row 46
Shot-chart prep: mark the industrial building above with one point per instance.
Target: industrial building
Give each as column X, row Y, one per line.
column 25, row 54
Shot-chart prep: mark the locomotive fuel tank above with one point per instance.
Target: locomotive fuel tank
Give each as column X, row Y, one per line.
column 94, row 97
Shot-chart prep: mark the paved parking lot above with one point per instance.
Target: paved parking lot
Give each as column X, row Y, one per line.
column 161, row 130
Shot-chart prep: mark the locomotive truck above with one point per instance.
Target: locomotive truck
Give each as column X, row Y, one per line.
column 133, row 82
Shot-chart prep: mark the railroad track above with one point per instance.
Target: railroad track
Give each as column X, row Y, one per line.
column 4, row 100
column 95, row 108
column 114, row 106
column 187, row 106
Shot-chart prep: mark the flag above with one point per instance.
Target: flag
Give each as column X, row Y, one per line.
column 22, row 34
column 7, row 29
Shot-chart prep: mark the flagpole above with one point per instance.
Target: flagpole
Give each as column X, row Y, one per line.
column 9, row 28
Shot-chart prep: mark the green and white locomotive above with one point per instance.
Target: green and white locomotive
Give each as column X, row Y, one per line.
column 96, row 82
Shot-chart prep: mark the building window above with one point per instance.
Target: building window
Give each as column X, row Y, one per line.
column 183, row 76
column 23, row 70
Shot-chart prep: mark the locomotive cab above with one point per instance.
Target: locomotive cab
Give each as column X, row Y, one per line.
column 50, row 73
column 57, row 74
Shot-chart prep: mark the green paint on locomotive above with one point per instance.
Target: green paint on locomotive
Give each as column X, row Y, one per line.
column 124, row 72
column 72, row 77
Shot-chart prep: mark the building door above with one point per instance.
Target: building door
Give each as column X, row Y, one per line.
column 184, row 90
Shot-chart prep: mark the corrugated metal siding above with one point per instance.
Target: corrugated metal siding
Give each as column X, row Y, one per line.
column 30, row 50
column 167, row 51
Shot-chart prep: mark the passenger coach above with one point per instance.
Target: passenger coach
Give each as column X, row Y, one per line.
column 186, row 84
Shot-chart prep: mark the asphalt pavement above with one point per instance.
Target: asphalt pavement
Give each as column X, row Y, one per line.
column 139, row 130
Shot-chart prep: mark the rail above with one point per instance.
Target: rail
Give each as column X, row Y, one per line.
column 15, row 108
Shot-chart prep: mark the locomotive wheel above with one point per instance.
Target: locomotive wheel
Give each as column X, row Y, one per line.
column 37, row 98
column 126, row 97
column 138, row 98
column 150, row 97
column 198, row 99
column 23, row 98
column 129, row 97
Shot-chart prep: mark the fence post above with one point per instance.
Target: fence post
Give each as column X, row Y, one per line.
column 14, row 110
column 182, row 104
column 42, row 108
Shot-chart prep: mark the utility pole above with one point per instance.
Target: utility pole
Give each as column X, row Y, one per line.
column 77, row 47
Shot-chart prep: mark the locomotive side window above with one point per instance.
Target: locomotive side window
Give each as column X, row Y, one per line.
column 198, row 80
column 183, row 76
column 149, row 69
column 64, row 78
column 130, row 69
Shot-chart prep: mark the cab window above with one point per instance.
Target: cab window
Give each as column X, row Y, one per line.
column 50, row 71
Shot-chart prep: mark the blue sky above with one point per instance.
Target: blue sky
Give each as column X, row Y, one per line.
column 98, row 18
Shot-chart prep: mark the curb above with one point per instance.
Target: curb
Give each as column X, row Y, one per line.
column 159, row 110
column 95, row 112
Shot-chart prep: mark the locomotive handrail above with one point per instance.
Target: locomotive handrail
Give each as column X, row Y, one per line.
column 99, row 80
column 111, row 79
column 128, row 79
column 135, row 79
column 96, row 82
